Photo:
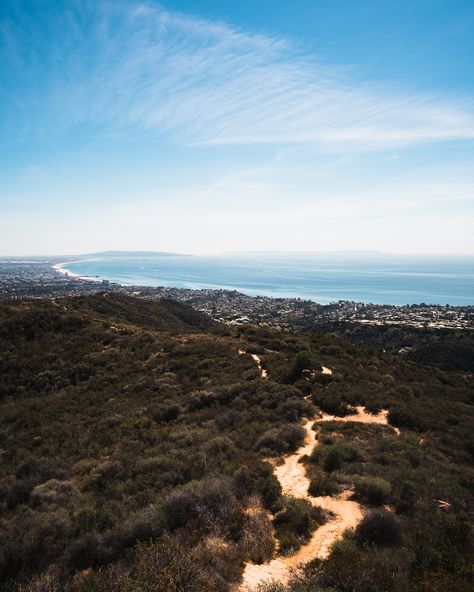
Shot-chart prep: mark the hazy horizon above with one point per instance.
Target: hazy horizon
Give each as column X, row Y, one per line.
column 199, row 126
column 240, row 253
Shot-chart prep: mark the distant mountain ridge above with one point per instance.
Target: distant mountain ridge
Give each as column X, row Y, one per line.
column 133, row 254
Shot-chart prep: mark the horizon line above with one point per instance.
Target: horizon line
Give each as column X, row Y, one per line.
column 236, row 253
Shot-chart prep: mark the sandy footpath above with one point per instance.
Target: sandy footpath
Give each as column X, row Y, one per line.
column 258, row 361
column 293, row 479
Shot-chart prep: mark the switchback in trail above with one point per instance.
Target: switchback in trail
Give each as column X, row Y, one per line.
column 346, row 513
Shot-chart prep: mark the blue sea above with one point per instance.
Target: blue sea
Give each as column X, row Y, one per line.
column 376, row 278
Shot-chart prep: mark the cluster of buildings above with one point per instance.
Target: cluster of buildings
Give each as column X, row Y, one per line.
column 36, row 278
column 29, row 277
column 415, row 315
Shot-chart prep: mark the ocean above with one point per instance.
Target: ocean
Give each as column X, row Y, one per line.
column 379, row 279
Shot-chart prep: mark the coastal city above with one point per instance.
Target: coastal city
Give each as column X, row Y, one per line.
column 42, row 278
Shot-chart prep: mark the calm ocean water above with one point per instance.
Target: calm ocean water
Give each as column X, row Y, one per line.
column 380, row 279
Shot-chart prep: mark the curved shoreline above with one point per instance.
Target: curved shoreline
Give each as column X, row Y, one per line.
column 60, row 268
column 313, row 285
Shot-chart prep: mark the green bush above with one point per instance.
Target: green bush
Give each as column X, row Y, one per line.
column 168, row 413
column 322, row 484
column 333, row 460
column 380, row 528
column 304, row 360
column 350, row 568
column 372, row 490
column 166, row 566
column 257, row 478
column 401, row 417
column 333, row 457
column 331, row 403
column 295, row 522
column 287, row 439
column 257, row 541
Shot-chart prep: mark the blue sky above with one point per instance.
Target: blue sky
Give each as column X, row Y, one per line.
column 209, row 126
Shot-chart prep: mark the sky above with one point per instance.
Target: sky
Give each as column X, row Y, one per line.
column 208, row 126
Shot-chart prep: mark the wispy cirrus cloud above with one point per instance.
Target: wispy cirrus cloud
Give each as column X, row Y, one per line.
column 124, row 65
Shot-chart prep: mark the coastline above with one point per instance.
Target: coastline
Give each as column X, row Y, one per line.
column 256, row 287
column 228, row 305
column 60, row 268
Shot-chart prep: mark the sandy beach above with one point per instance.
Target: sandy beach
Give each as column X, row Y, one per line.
column 62, row 269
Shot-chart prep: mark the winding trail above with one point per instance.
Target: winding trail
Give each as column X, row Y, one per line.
column 263, row 372
column 292, row 476
column 293, row 480
column 362, row 416
column 258, row 361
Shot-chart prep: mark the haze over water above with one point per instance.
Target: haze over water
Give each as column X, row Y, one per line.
column 324, row 278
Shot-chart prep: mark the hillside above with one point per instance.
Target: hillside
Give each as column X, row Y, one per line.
column 135, row 439
column 447, row 349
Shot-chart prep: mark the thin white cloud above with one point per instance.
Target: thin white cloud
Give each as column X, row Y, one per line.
column 122, row 65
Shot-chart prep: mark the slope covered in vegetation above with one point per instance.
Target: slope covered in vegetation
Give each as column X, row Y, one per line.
column 446, row 349
column 134, row 441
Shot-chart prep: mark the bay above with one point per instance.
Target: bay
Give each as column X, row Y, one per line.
column 324, row 278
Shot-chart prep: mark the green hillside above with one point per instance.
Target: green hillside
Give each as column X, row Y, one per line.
column 134, row 446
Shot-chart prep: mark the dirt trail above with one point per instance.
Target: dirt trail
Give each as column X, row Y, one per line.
column 263, row 372
column 293, row 480
column 362, row 416
column 258, row 361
